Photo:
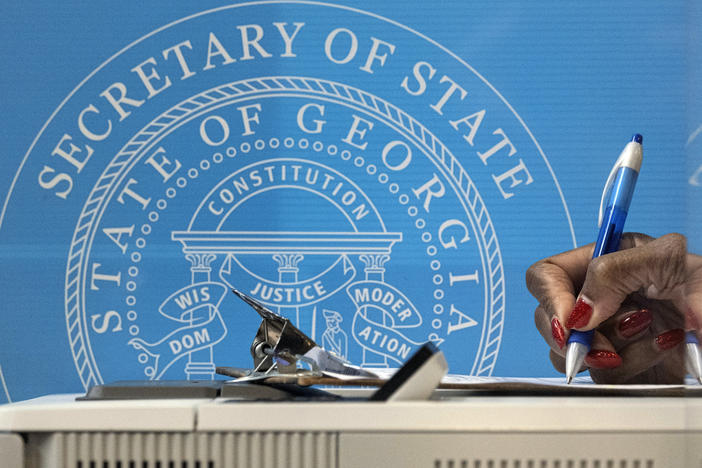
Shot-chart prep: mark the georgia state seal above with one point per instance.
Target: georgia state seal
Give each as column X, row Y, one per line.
column 341, row 168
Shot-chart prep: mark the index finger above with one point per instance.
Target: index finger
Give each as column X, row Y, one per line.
column 554, row 281
column 567, row 270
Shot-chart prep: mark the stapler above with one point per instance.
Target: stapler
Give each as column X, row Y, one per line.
column 279, row 346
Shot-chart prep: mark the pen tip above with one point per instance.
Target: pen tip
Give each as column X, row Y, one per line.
column 569, row 379
column 638, row 138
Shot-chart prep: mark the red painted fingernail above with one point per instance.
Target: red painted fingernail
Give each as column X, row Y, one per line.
column 580, row 315
column 558, row 332
column 635, row 323
column 670, row 339
column 603, row 359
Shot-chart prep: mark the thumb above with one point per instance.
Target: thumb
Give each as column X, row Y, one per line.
column 657, row 268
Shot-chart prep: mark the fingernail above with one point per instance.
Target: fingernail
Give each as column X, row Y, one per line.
column 635, row 323
column 558, row 332
column 603, row 359
column 670, row 339
column 580, row 315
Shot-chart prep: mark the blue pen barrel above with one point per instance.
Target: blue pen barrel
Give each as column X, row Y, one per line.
column 614, row 216
column 618, row 200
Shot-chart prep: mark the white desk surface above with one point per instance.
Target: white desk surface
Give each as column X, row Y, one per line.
column 473, row 413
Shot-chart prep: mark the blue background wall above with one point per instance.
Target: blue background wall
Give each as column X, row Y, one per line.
column 567, row 84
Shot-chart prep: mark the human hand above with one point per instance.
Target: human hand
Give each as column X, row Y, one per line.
column 640, row 299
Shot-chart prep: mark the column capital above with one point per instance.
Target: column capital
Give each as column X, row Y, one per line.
column 200, row 261
column 374, row 262
column 287, row 262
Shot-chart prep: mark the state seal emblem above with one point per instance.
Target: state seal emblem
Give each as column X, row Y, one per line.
column 341, row 168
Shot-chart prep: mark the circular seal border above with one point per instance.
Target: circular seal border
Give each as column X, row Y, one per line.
column 222, row 95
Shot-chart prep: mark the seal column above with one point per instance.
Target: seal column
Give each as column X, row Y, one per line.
column 374, row 272
column 201, row 364
column 288, row 274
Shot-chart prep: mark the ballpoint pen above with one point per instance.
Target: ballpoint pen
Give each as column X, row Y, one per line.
column 617, row 194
